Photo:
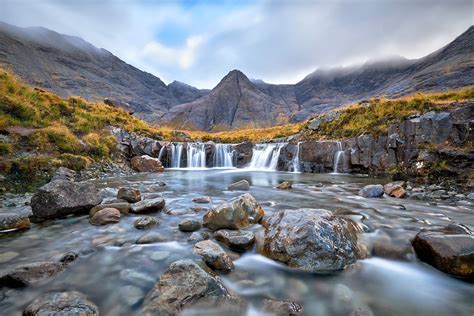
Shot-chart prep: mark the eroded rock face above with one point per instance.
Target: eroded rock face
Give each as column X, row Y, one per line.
column 214, row 256
column 146, row 163
column 242, row 185
column 237, row 240
column 311, row 239
column 452, row 254
column 31, row 273
column 13, row 221
column 105, row 216
column 235, row 214
column 372, row 191
column 59, row 198
column 129, row 195
column 62, row 303
column 148, row 206
column 181, row 286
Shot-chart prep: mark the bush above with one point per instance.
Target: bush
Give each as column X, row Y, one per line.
column 74, row 162
column 57, row 137
column 5, row 149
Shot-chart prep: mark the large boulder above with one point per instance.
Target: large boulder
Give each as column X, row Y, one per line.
column 105, row 216
column 235, row 214
column 14, row 221
column 146, row 163
column 237, row 240
column 450, row 253
column 311, row 239
column 59, row 198
column 181, row 286
column 61, row 303
column 213, row 255
column 372, row 191
column 148, row 206
column 31, row 273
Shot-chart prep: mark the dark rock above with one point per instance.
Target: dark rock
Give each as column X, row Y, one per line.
column 14, row 221
column 146, row 222
column 281, row 308
column 146, row 163
column 198, row 236
column 61, row 303
column 105, row 216
column 237, row 240
column 311, row 239
column 284, row 185
column 60, row 198
column 181, row 286
column 63, row 173
column 129, row 195
column 202, row 200
column 148, row 206
column 123, row 207
column 242, row 185
column 32, row 273
column 68, row 257
column 235, row 214
column 213, row 255
column 244, row 153
column 372, row 191
column 151, row 238
column 452, row 254
column 189, row 225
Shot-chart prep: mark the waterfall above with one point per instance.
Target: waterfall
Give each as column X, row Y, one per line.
column 160, row 155
column 265, row 156
column 176, row 151
column 196, row 154
column 338, row 155
column 296, row 159
column 223, row 155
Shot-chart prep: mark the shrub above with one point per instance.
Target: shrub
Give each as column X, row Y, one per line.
column 5, row 148
column 56, row 137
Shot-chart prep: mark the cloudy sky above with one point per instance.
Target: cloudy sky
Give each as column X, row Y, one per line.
column 198, row 42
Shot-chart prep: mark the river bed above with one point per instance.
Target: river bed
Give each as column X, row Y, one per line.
column 117, row 274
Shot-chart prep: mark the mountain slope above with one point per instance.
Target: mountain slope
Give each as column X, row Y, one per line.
column 68, row 66
column 234, row 103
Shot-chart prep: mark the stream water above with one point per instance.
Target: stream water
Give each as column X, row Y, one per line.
column 117, row 274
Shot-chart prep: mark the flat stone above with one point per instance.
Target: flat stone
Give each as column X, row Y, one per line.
column 123, row 207
column 242, row 185
column 105, row 216
column 31, row 273
column 151, row 238
column 62, row 303
column 148, row 206
column 146, row 222
column 14, row 221
column 213, row 255
column 236, row 240
column 202, row 200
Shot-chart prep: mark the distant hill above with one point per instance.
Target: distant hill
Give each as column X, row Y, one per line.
column 68, row 65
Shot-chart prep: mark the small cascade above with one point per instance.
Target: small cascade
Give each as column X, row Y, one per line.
column 223, row 156
column 176, row 152
column 338, row 156
column 196, row 155
column 160, row 155
column 265, row 156
column 296, row 159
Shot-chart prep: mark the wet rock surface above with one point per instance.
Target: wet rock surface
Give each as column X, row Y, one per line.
column 450, row 253
column 372, row 191
column 189, row 225
column 237, row 240
column 151, row 238
column 235, row 214
column 32, row 273
column 105, row 216
column 148, row 206
column 311, row 240
column 286, row 185
column 242, row 185
column 62, row 303
column 282, row 308
column 123, row 207
column 202, row 200
column 145, row 222
column 181, row 286
column 60, row 198
column 129, row 195
column 12, row 221
column 213, row 255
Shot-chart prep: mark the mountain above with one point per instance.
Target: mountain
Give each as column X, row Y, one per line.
column 68, row 65
column 234, row 103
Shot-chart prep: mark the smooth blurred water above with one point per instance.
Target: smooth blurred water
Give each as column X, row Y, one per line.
column 117, row 274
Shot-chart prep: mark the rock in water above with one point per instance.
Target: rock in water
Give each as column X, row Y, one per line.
column 105, row 216
column 148, row 206
column 13, row 221
column 242, row 185
column 124, row 208
column 129, row 195
column 202, row 200
column 235, row 214
column 146, row 222
column 146, row 163
column 395, row 189
column 30, row 273
column 372, row 191
column 282, row 308
column 189, row 225
column 285, row 185
column 214, row 256
column 236, row 240
column 311, row 239
column 181, row 286
column 59, row 198
column 62, row 303
column 151, row 238
column 452, row 254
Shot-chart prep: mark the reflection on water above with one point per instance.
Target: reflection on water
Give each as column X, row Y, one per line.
column 117, row 274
